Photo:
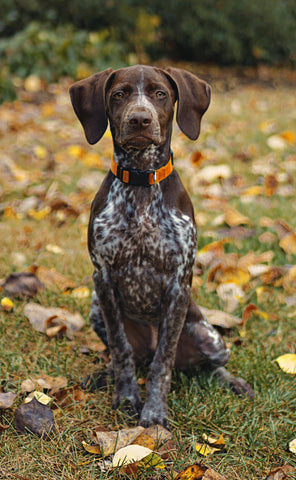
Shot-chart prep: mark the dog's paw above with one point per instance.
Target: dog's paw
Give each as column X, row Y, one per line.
column 238, row 385
column 128, row 401
column 156, row 415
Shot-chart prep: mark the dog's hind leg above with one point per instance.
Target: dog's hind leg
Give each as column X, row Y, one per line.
column 200, row 345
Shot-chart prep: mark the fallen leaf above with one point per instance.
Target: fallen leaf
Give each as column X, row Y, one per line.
column 220, row 318
column 270, row 185
column 80, row 292
column 41, row 397
column 204, row 449
column 51, row 278
column 46, row 382
column 247, row 313
column 7, row 304
column 54, row 249
column 22, row 284
column 199, row 472
column 36, row 418
column 217, row 440
column 130, row 454
column 96, row 449
column 234, row 218
column 280, row 473
column 275, row 142
column 68, row 397
column 112, row 441
column 292, row 446
column 288, row 243
column 7, row 399
column 287, row 363
column 39, row 316
column 231, row 295
column 289, row 136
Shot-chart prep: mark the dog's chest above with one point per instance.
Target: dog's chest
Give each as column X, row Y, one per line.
column 141, row 243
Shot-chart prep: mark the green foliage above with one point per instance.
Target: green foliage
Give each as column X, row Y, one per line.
column 63, row 51
column 229, row 32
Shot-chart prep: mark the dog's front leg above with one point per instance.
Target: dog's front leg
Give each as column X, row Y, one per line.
column 175, row 306
column 126, row 392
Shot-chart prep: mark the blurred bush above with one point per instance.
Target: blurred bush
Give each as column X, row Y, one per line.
column 245, row 32
column 74, row 38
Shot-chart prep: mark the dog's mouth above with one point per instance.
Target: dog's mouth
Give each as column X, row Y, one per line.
column 138, row 142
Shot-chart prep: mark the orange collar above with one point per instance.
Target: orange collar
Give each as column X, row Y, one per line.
column 144, row 178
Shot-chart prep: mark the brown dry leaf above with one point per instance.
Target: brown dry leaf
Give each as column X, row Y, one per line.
column 288, row 243
column 233, row 217
column 70, row 396
column 270, row 185
column 199, row 472
column 282, row 228
column 112, row 441
column 221, row 319
column 3, row 427
column 272, row 275
column 196, row 158
column 22, row 284
column 51, row 278
column 145, row 441
column 280, row 473
column 209, row 252
column 7, row 399
column 247, row 313
column 46, row 382
column 232, row 275
column 289, row 280
column 40, row 316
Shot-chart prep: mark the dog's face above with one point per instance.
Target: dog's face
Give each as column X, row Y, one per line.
column 138, row 102
column 140, row 107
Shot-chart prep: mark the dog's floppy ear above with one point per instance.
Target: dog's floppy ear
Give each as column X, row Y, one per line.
column 194, row 97
column 88, row 100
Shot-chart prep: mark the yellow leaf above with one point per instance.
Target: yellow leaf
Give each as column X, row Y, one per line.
column 7, row 304
column 32, row 84
column 234, row 218
column 40, row 152
column 9, row 212
column 80, row 292
column 193, row 472
column 92, row 159
column 289, row 136
column 76, row 151
column 292, row 446
column 96, row 449
column 205, row 450
column 39, row 214
column 40, row 396
column 288, row 243
column 253, row 191
column 287, row 362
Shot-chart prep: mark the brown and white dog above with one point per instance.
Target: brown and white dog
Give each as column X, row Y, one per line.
column 142, row 235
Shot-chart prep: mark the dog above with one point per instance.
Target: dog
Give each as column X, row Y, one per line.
column 142, row 235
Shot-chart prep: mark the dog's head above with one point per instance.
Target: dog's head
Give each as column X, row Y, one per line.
column 139, row 103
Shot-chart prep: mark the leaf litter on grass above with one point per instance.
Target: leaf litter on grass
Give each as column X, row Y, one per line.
column 241, row 182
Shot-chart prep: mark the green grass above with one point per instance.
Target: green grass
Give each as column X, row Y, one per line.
column 256, row 432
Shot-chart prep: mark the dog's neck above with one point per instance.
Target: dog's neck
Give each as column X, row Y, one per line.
column 150, row 158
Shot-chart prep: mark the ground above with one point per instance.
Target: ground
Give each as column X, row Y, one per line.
column 241, row 177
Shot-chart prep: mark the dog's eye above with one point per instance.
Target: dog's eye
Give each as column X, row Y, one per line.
column 160, row 94
column 118, row 95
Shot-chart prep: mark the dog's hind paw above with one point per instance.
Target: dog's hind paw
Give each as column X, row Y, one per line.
column 238, row 385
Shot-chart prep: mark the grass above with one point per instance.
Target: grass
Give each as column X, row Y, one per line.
column 234, row 132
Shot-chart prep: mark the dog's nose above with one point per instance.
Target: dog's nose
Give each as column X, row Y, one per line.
column 140, row 119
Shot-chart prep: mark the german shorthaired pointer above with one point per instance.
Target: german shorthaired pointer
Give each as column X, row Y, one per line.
column 142, row 235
